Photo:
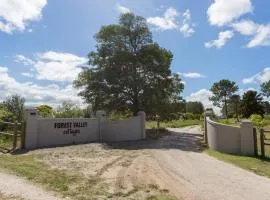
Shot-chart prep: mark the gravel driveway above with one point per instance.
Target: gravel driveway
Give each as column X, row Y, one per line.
column 174, row 163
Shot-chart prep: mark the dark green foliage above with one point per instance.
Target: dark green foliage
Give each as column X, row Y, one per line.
column 194, row 107
column 252, row 104
column 266, row 106
column 265, row 88
column 15, row 105
column 129, row 71
column 222, row 92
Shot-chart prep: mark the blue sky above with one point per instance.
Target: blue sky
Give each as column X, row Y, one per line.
column 43, row 42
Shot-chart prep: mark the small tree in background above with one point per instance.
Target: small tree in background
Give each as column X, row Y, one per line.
column 45, row 111
column 234, row 103
column 15, row 105
column 265, row 88
column 257, row 120
column 222, row 92
column 194, row 107
column 252, row 104
column 69, row 110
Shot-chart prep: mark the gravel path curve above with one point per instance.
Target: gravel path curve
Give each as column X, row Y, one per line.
column 11, row 185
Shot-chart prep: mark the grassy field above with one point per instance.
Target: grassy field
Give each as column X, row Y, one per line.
column 173, row 124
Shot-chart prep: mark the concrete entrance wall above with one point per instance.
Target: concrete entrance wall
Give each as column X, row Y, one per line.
column 230, row 139
column 42, row 132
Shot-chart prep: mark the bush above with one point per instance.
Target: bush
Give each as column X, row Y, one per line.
column 257, row 120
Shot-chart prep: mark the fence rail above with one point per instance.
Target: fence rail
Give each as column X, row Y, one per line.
column 17, row 131
column 264, row 142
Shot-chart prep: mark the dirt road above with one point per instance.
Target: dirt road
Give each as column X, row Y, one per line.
column 173, row 164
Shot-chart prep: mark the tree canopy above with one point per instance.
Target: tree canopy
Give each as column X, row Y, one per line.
column 222, row 92
column 252, row 104
column 265, row 88
column 129, row 71
column 15, row 105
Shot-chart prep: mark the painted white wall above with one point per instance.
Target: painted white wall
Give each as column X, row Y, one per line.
column 42, row 132
column 230, row 139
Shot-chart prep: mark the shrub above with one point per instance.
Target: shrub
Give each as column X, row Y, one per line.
column 257, row 120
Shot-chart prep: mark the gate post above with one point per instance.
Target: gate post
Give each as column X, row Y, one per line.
column 143, row 117
column 31, row 129
column 101, row 115
column 262, row 143
column 246, row 138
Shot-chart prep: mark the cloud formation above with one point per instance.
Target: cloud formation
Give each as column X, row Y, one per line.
column 16, row 14
column 53, row 66
column 174, row 20
column 260, row 77
column 223, row 38
column 122, row 9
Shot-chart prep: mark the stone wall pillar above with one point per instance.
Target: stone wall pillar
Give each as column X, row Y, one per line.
column 102, row 119
column 31, row 129
column 247, row 139
column 143, row 118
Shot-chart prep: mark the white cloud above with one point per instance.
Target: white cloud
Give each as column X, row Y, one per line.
column 192, row 75
column 223, row 38
column 203, row 96
column 16, row 14
column 187, row 28
column 261, row 37
column 22, row 59
column 36, row 94
column 245, row 27
column 122, row 9
column 223, row 12
column 261, row 77
column 174, row 20
column 54, row 66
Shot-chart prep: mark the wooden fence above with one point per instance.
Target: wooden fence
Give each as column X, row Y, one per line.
column 11, row 134
column 265, row 143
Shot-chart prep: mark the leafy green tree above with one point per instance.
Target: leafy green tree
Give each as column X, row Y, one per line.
column 266, row 106
column 45, row 111
column 257, row 120
column 222, row 92
column 130, row 71
column 265, row 88
column 252, row 104
column 69, row 110
column 234, row 105
column 15, row 105
column 194, row 107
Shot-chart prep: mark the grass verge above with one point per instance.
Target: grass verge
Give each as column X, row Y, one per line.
column 256, row 165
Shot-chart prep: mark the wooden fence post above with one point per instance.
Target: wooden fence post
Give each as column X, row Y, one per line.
column 262, row 143
column 15, row 135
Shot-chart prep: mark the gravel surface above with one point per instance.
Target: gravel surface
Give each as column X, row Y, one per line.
column 173, row 163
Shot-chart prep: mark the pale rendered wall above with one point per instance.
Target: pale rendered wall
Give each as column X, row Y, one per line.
column 52, row 132
column 230, row 139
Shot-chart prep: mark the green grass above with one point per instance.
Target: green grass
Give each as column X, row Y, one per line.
column 160, row 197
column 173, row 124
column 256, row 165
column 73, row 185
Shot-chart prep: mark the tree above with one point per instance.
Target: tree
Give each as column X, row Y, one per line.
column 265, row 88
column 129, row 71
column 234, row 104
column 194, row 107
column 68, row 110
column 266, row 106
column 252, row 104
column 15, row 105
column 45, row 111
column 222, row 92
